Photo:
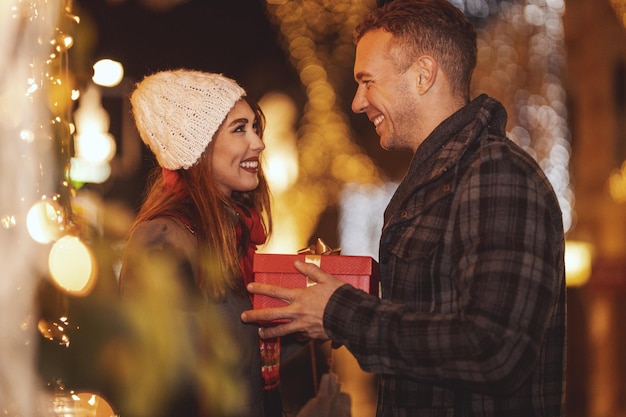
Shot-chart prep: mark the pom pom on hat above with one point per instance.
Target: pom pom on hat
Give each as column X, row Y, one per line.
column 178, row 112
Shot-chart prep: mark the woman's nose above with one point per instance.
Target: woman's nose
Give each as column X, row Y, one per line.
column 257, row 143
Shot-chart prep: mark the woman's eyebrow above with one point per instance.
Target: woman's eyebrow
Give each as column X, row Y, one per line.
column 239, row 120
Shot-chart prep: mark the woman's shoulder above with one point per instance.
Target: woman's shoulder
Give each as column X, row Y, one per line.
column 163, row 230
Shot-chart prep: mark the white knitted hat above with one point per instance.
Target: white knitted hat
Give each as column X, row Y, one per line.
column 178, row 112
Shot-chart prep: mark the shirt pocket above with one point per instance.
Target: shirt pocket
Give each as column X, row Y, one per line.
column 415, row 259
column 420, row 227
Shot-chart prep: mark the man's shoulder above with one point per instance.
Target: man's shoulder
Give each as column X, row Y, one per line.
column 498, row 147
column 498, row 161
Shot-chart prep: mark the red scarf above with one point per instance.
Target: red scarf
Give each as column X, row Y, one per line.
column 270, row 348
column 252, row 220
column 172, row 184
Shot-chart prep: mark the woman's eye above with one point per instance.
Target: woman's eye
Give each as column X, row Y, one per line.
column 240, row 128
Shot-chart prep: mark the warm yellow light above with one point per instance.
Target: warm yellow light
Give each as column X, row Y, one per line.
column 282, row 171
column 90, row 117
column 81, row 404
column 43, row 221
column 578, row 256
column 620, row 10
column 71, row 265
column 95, row 147
column 84, row 170
column 617, row 184
column 107, row 73
column 281, row 154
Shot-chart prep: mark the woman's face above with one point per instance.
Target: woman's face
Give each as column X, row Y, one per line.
column 236, row 150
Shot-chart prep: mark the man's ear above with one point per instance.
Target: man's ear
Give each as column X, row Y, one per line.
column 427, row 69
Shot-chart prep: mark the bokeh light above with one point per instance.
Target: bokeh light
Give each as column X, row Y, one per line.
column 81, row 404
column 107, row 73
column 578, row 257
column 44, row 221
column 521, row 60
column 617, row 184
column 620, row 10
column 72, row 266
column 281, row 154
column 93, row 144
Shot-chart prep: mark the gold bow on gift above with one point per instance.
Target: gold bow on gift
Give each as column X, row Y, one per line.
column 314, row 253
column 320, row 248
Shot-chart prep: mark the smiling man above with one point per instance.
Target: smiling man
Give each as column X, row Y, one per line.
column 472, row 316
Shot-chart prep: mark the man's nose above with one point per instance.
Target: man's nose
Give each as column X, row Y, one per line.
column 359, row 102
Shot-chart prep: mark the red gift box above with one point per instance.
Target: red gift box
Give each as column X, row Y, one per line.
column 277, row 269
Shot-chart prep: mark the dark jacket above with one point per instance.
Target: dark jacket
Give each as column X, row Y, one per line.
column 168, row 237
column 472, row 316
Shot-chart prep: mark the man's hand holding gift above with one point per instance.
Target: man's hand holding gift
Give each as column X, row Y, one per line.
column 304, row 312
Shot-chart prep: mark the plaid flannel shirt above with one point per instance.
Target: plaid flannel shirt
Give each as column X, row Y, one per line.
column 472, row 316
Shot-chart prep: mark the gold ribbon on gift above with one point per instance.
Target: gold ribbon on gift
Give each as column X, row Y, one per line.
column 314, row 253
column 319, row 248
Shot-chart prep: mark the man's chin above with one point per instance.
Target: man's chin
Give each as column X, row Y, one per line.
column 386, row 144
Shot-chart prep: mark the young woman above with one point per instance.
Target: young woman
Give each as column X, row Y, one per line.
column 208, row 207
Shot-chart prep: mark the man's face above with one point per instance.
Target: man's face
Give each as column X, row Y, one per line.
column 384, row 94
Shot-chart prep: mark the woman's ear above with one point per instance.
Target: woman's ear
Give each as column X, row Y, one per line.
column 426, row 73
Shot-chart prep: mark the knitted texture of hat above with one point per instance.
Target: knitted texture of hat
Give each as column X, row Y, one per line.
column 178, row 112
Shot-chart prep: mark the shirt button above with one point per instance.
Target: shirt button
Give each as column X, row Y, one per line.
column 404, row 214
